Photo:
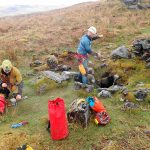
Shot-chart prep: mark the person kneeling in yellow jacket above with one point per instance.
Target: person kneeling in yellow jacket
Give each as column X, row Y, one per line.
column 10, row 80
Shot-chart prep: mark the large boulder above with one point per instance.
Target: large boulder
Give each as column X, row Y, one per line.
column 120, row 52
column 104, row 94
column 141, row 46
column 130, row 2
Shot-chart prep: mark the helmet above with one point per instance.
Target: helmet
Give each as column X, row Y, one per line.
column 92, row 30
column 6, row 66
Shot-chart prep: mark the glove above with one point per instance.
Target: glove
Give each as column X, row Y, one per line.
column 97, row 37
column 96, row 55
column 18, row 97
column 4, row 85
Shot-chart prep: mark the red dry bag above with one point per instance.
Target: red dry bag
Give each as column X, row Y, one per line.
column 2, row 104
column 57, row 118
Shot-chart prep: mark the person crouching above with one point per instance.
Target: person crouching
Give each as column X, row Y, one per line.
column 10, row 80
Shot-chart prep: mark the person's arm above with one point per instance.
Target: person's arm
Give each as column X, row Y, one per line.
column 95, row 55
column 19, row 82
column 97, row 37
column 87, row 45
column 18, row 76
column 20, row 87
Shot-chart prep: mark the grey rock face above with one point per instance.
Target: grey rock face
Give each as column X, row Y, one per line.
column 121, row 52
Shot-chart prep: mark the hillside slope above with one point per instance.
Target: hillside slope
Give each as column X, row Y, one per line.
column 42, row 33
column 63, row 27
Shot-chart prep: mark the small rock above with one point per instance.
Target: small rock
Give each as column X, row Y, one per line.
column 147, row 132
column 36, row 63
column 109, row 47
column 140, row 84
column 30, row 74
column 90, row 71
column 103, row 65
column 77, row 85
column 13, row 101
column 91, row 63
column 105, row 94
column 129, row 105
column 141, row 94
column 121, row 99
column 148, row 65
column 89, row 89
column 25, row 97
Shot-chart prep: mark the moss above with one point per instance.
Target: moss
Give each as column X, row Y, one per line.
column 44, row 84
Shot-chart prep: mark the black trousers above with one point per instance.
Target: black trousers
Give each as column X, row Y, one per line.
column 4, row 91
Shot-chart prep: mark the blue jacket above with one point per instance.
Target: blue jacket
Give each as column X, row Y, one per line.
column 84, row 46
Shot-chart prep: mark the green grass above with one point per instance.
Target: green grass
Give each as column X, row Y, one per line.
column 34, row 110
column 124, row 132
column 145, row 31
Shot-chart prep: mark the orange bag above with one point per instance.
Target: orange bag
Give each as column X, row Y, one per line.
column 101, row 118
column 98, row 106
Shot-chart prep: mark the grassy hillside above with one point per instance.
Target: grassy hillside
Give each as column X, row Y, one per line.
column 23, row 36
column 63, row 28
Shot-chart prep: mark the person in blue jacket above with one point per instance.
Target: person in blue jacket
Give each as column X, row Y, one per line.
column 84, row 49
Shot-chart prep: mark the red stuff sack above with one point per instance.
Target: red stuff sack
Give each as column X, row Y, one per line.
column 57, row 118
column 2, row 104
